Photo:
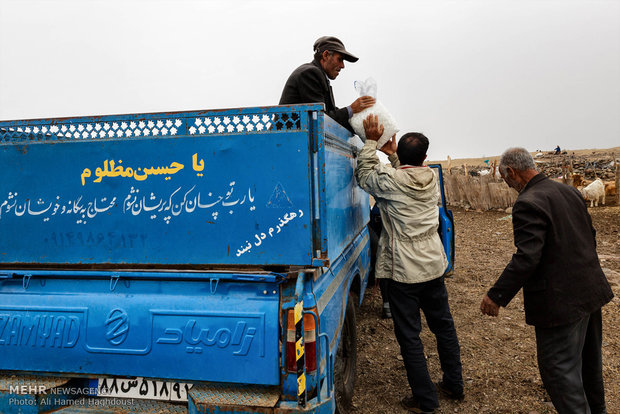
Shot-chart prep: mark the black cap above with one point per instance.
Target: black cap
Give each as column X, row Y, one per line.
column 335, row 45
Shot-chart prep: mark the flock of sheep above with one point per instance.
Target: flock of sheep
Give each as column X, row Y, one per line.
column 594, row 191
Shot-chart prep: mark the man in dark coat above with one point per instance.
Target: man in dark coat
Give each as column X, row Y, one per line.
column 563, row 284
column 309, row 83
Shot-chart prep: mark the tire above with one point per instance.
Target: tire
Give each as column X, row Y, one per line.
column 346, row 360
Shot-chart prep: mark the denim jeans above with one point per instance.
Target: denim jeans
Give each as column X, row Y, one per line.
column 406, row 301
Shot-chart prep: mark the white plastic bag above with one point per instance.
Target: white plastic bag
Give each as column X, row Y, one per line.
column 369, row 88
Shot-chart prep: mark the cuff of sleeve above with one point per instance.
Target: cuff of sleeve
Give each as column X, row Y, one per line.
column 497, row 297
column 370, row 144
column 350, row 110
column 393, row 157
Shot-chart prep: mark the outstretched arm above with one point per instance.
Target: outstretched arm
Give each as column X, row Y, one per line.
column 374, row 177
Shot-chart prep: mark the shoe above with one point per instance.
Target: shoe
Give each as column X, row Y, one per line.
column 411, row 404
column 450, row 393
column 386, row 313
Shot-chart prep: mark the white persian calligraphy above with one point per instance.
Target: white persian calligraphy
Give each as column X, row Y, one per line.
column 165, row 206
column 183, row 202
column 258, row 238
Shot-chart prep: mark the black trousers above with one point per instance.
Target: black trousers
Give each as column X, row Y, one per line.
column 374, row 230
column 406, row 300
column 571, row 365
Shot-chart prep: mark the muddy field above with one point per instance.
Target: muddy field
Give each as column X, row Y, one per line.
column 499, row 354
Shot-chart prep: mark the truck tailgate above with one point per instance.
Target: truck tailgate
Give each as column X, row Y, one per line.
column 207, row 327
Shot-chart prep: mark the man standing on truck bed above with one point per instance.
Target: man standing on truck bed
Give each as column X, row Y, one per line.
column 412, row 258
column 309, row 83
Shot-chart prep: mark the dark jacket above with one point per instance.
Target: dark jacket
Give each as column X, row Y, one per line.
column 556, row 262
column 309, row 84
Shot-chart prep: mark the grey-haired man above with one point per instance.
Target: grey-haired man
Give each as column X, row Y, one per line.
column 563, row 284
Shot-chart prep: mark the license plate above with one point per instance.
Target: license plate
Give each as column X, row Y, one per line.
column 143, row 388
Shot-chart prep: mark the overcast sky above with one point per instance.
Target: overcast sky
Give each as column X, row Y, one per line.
column 476, row 76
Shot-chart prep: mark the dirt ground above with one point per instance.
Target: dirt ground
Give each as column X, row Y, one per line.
column 498, row 354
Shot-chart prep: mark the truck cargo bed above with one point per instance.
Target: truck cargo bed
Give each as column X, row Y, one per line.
column 231, row 187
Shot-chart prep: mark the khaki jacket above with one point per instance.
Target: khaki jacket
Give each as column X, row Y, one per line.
column 410, row 250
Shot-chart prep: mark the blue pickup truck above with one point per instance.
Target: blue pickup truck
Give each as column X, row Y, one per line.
column 202, row 262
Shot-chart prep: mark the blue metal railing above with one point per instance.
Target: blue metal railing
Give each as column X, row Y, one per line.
column 270, row 277
column 164, row 124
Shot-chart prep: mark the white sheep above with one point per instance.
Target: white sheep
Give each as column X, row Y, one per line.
column 594, row 191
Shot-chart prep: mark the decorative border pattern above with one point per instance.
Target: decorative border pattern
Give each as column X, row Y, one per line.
column 146, row 126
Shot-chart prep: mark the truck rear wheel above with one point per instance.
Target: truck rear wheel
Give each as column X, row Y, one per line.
column 346, row 360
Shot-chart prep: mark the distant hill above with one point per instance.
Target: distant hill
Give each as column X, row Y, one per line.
column 584, row 153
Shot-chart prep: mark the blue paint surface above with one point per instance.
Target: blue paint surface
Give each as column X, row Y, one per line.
column 183, row 330
column 222, row 197
column 229, row 188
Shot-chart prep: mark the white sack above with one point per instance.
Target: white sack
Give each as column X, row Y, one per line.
column 369, row 88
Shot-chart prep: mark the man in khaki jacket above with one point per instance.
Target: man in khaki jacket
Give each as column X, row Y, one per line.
column 411, row 256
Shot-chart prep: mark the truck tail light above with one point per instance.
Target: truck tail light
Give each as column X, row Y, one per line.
column 309, row 339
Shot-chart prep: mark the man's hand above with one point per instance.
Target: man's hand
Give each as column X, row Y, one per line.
column 488, row 307
column 362, row 103
column 390, row 147
column 372, row 128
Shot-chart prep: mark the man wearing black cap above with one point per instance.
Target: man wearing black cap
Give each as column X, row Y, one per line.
column 309, row 83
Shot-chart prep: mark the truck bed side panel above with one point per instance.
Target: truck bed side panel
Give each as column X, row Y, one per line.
column 347, row 205
column 229, row 198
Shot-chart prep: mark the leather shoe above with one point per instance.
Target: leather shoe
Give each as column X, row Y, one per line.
column 448, row 392
column 412, row 405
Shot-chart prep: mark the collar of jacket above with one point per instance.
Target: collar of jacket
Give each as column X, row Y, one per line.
column 317, row 63
column 536, row 179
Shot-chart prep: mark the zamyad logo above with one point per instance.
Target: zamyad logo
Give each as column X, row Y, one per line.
column 278, row 198
column 40, row 329
column 196, row 337
column 117, row 326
